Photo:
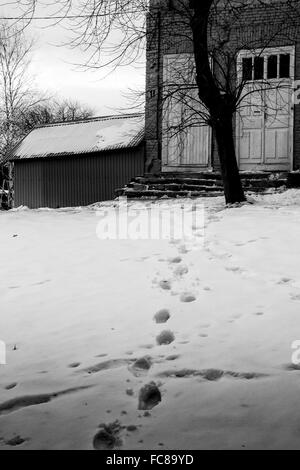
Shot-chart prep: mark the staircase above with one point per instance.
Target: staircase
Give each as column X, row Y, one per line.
column 205, row 184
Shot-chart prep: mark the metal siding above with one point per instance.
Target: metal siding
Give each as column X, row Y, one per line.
column 75, row 181
column 28, row 184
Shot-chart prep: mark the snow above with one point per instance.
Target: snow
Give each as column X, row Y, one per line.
column 114, row 133
column 85, row 136
column 77, row 311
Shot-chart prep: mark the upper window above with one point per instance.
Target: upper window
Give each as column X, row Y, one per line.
column 247, row 69
column 285, row 65
column 267, row 67
column 258, row 68
column 272, row 66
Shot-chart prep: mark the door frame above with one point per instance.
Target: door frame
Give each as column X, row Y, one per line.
column 182, row 167
column 261, row 52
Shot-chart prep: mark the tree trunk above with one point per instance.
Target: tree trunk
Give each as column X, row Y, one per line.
column 233, row 189
column 219, row 106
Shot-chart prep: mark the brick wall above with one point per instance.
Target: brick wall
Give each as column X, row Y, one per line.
column 169, row 33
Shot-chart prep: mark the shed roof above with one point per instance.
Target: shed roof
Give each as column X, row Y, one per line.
column 80, row 137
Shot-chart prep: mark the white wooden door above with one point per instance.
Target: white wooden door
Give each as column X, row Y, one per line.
column 265, row 118
column 251, row 135
column 277, row 126
column 186, row 137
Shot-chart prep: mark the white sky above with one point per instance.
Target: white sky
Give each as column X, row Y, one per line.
column 54, row 70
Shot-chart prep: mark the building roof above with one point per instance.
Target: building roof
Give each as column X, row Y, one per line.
column 80, row 137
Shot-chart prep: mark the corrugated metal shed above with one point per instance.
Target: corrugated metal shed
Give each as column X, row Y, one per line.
column 77, row 164
column 81, row 137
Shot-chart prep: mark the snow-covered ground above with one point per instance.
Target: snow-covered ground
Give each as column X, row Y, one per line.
column 77, row 312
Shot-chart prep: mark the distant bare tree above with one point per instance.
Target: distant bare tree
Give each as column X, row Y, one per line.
column 51, row 111
column 17, row 92
column 71, row 110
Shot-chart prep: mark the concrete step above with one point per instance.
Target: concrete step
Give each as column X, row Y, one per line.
column 134, row 194
column 217, row 175
column 259, row 183
column 174, row 185
column 176, row 180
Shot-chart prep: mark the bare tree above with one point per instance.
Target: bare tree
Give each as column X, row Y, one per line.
column 114, row 32
column 52, row 111
column 71, row 110
column 17, row 92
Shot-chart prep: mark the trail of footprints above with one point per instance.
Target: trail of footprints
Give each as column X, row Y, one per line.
column 109, row 436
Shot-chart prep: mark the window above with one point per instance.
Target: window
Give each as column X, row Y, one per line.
column 253, row 68
column 258, row 68
column 284, row 67
column 272, row 66
column 247, row 69
column 268, row 67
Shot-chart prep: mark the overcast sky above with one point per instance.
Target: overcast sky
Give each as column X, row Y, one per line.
column 55, row 71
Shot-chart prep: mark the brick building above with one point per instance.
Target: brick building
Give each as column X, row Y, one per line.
column 265, row 44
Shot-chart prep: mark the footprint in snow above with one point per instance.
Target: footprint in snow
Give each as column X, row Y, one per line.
column 106, row 365
column 176, row 260
column 162, row 316
column 141, row 366
column 11, row 386
column 131, row 428
column 147, row 346
column 211, row 375
column 295, row 297
column 149, row 397
column 187, row 298
column 207, row 289
column 165, row 285
column 181, row 271
column 108, row 437
column 165, row 337
column 20, row 402
column 41, row 283
column 245, row 243
column 74, row 365
column 183, row 250
column 16, row 441
column 235, row 269
column 173, row 357
column 285, row 280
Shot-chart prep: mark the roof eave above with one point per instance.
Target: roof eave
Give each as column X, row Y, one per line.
column 74, row 154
